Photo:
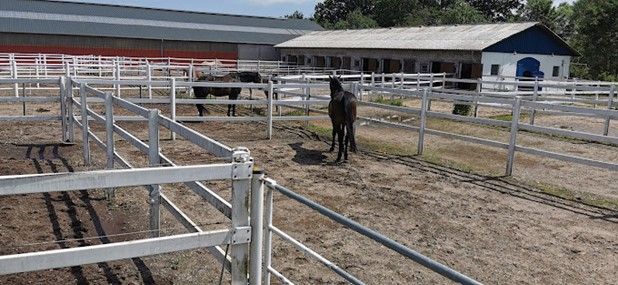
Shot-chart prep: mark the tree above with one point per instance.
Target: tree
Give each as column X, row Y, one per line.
column 540, row 11
column 462, row 13
column 296, row 15
column 389, row 13
column 596, row 36
column 564, row 26
column 356, row 20
column 497, row 10
column 330, row 12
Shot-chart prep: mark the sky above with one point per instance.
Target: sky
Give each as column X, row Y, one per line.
column 269, row 8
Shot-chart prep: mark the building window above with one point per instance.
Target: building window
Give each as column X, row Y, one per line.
column 556, row 71
column 424, row 68
column 495, row 69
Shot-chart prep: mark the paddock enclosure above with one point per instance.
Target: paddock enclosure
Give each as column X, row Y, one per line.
column 109, row 176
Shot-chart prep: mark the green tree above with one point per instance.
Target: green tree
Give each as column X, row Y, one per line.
column 564, row 26
column 329, row 12
column 596, row 36
column 540, row 11
column 389, row 13
column 356, row 20
column 296, row 15
column 463, row 13
column 497, row 10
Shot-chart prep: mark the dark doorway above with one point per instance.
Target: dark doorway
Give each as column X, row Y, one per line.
column 370, row 65
column 392, row 66
column 335, row 62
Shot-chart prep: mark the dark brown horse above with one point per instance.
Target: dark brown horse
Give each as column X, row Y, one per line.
column 342, row 113
column 203, row 92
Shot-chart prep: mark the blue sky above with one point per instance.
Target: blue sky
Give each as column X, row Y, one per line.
column 271, row 8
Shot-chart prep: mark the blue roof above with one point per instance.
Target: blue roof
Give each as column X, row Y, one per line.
column 537, row 39
column 87, row 19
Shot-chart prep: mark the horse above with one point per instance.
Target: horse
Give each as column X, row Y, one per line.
column 202, row 92
column 342, row 113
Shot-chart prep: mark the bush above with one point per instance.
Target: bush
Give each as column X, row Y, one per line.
column 462, row 110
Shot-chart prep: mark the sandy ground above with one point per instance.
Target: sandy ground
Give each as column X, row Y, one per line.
column 497, row 230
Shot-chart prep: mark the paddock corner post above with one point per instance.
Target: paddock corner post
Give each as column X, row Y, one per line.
column 63, row 108
column 268, row 236
column 149, row 78
column 173, row 105
column 109, row 135
column 70, row 109
column 513, row 138
column 154, row 160
column 534, row 99
column 421, row 129
column 269, row 111
column 242, row 174
column 84, row 114
column 479, row 88
column 610, row 103
column 257, row 223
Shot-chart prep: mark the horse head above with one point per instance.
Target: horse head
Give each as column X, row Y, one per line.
column 335, row 85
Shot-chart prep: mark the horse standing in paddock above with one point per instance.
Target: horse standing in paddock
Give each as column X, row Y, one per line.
column 342, row 113
column 203, row 92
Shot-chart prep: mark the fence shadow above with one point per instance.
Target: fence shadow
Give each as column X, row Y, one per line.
column 76, row 224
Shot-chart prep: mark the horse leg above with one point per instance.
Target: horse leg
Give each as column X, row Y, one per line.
column 200, row 109
column 229, row 109
column 340, row 137
column 345, row 146
column 332, row 145
column 350, row 133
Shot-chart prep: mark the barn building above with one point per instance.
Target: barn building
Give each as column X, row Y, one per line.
column 468, row 51
column 57, row 27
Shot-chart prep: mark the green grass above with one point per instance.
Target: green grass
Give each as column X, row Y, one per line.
column 393, row 102
column 588, row 198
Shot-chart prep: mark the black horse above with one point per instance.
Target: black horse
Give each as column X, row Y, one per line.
column 232, row 92
column 342, row 113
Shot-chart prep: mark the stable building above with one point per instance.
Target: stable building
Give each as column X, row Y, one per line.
column 58, row 27
column 468, row 51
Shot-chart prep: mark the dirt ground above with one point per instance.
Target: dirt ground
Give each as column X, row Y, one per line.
column 552, row 223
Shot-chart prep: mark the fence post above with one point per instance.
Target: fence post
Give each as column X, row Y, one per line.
column 268, row 235
column 242, row 173
column 154, row 160
column 63, row 108
column 421, row 130
column 478, row 95
column 257, row 224
column 610, row 103
column 269, row 111
column 117, row 77
column 109, row 131
column 430, row 88
column 418, row 81
column 173, row 105
column 14, row 74
column 84, row 113
column 149, row 78
column 69, row 106
column 534, row 99
column 513, row 138
column 307, row 98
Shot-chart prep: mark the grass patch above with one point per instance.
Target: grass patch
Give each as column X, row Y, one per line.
column 385, row 101
column 508, row 117
column 587, row 198
column 436, row 158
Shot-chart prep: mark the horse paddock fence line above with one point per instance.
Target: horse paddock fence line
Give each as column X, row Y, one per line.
column 248, row 236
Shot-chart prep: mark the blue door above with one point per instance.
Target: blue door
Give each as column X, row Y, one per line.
column 529, row 67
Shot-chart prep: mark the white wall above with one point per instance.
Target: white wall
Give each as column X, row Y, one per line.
column 508, row 64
